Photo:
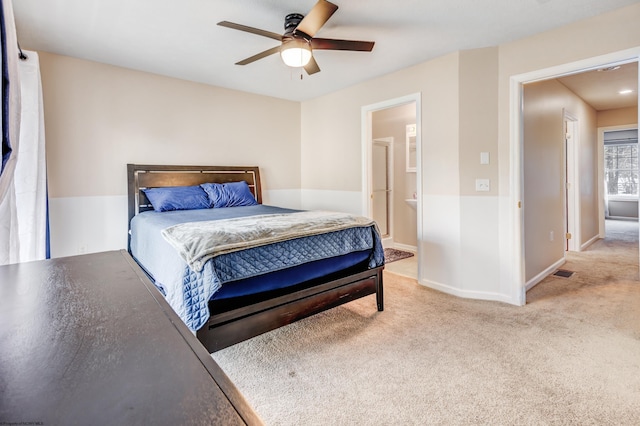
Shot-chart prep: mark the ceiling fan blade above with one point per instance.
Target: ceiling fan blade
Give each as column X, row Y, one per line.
column 251, row 30
column 316, row 18
column 312, row 66
column 259, row 56
column 334, row 44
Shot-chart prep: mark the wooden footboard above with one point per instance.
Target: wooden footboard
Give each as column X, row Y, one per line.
column 231, row 327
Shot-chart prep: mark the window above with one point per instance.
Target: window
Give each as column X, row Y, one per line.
column 621, row 169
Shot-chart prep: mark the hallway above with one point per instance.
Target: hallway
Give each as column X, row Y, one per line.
column 606, row 262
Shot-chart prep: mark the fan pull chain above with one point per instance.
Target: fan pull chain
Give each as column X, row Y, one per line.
column 293, row 71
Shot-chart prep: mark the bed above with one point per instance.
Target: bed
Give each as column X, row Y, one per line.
column 256, row 282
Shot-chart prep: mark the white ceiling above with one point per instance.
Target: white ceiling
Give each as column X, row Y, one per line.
column 181, row 39
column 601, row 88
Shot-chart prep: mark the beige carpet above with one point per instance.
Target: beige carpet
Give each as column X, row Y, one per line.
column 570, row 356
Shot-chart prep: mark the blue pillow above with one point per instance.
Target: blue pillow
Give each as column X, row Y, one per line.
column 233, row 194
column 178, row 198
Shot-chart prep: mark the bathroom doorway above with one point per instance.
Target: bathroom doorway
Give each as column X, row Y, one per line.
column 391, row 181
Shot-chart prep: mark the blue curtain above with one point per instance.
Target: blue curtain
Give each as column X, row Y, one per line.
column 6, row 142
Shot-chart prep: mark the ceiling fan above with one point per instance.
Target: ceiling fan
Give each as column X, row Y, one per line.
column 298, row 41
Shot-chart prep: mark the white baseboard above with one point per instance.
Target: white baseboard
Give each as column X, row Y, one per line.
column 588, row 243
column 405, row 247
column 467, row 294
column 544, row 274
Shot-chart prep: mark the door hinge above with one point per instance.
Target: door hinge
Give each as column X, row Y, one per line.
column 568, row 235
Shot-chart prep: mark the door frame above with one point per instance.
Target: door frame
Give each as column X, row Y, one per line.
column 366, row 123
column 572, row 171
column 516, row 136
column 388, row 142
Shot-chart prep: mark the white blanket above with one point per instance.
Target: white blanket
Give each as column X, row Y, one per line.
column 198, row 242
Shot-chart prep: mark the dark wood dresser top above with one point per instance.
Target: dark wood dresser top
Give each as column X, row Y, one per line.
column 89, row 340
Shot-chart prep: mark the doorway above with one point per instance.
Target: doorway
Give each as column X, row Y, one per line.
column 581, row 202
column 391, row 181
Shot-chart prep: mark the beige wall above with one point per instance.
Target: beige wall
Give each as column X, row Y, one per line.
column 599, row 36
column 100, row 117
column 469, row 241
column 478, row 118
column 331, row 130
column 332, row 149
column 603, row 37
column 544, row 165
column 618, row 117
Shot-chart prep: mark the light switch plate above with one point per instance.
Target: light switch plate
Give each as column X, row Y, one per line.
column 483, row 185
column 484, row 158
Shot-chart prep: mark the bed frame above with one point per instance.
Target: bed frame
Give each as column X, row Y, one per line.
column 245, row 318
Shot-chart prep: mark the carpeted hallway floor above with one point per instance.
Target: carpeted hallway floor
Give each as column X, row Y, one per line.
column 570, row 356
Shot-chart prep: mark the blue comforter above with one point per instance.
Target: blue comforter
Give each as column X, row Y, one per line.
column 188, row 292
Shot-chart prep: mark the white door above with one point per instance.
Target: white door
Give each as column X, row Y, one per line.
column 571, row 208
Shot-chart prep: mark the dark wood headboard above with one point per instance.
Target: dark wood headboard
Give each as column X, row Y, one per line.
column 141, row 176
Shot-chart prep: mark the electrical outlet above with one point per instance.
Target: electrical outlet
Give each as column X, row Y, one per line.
column 483, row 185
column 551, row 236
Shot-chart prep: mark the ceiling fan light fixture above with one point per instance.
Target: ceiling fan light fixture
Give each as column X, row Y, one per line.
column 298, row 41
column 295, row 53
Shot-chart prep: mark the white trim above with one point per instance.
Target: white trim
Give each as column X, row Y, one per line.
column 366, row 137
column 405, row 247
column 467, row 294
column 615, row 58
column 542, row 275
column 588, row 243
column 515, row 145
column 572, row 171
column 516, row 223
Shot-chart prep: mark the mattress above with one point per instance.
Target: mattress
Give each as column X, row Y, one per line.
column 255, row 270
